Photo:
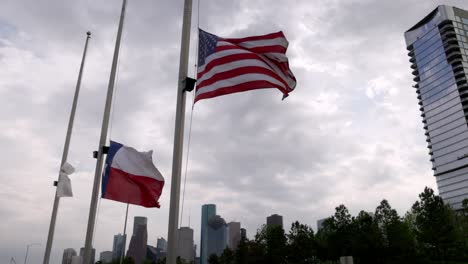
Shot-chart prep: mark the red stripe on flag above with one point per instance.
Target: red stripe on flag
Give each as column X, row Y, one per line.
column 128, row 188
column 227, row 59
column 237, row 72
column 262, row 37
column 247, row 86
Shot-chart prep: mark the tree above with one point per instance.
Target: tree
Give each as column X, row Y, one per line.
column 367, row 240
column 213, row 259
column 301, row 244
column 227, row 257
column 398, row 240
column 435, row 226
column 242, row 253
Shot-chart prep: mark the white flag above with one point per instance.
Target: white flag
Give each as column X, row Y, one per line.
column 64, row 188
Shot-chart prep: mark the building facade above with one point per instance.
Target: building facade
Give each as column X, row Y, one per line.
column 138, row 242
column 217, row 236
column 438, row 49
column 67, row 255
column 161, row 244
column 185, row 244
column 233, row 235
column 93, row 255
column 105, row 256
column 118, row 247
column 208, row 211
column 275, row 220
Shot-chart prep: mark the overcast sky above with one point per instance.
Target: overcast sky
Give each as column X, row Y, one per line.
column 350, row 133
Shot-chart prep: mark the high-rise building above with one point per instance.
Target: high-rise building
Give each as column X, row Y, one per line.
column 185, row 244
column 243, row 232
column 77, row 260
column 438, row 47
column 208, row 211
column 320, row 223
column 105, row 256
column 138, row 242
column 275, row 220
column 233, row 235
column 67, row 255
column 162, row 244
column 216, row 236
column 93, row 255
column 118, row 247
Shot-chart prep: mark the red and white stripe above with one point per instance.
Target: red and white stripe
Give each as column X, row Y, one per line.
column 243, row 64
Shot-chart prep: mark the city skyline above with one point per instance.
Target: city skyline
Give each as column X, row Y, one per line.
column 350, row 133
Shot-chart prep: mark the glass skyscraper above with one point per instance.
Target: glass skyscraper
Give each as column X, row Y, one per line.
column 208, row 211
column 438, row 49
column 217, row 236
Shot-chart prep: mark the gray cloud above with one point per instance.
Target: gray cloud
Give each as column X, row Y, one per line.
column 350, row 133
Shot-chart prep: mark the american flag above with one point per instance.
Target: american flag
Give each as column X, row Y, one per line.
column 232, row 65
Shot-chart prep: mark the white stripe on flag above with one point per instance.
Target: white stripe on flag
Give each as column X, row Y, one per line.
column 264, row 42
column 238, row 80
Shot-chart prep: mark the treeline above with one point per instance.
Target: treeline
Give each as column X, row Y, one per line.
column 431, row 232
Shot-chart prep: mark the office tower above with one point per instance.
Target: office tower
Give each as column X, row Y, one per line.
column 243, row 233
column 105, row 257
column 118, row 247
column 93, row 255
column 67, row 255
column 320, row 223
column 233, row 235
column 438, row 48
column 138, row 242
column 275, row 220
column 77, row 260
column 208, row 211
column 185, row 244
column 162, row 244
column 216, row 236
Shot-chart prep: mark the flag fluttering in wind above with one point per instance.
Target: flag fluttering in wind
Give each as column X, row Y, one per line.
column 64, row 188
column 131, row 177
column 232, row 65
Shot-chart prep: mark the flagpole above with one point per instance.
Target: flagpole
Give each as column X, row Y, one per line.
column 178, row 136
column 102, row 142
column 122, row 255
column 50, row 236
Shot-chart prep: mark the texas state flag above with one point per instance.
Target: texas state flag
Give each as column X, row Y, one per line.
column 131, row 177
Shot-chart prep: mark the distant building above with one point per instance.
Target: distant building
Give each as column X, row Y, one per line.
column 118, row 247
column 185, row 244
column 138, row 242
column 233, row 235
column 243, row 233
column 162, row 244
column 67, row 255
column 217, row 235
column 105, row 257
column 437, row 47
column 208, row 211
column 93, row 255
column 275, row 219
column 320, row 223
column 77, row 260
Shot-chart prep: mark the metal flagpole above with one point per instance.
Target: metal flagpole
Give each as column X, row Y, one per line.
column 122, row 255
column 102, row 142
column 50, row 236
column 178, row 136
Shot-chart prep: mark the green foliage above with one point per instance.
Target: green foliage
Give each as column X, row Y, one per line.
column 431, row 232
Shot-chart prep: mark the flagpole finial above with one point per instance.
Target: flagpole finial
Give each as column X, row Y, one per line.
column 89, row 34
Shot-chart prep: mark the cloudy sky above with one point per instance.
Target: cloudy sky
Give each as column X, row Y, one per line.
column 350, row 133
